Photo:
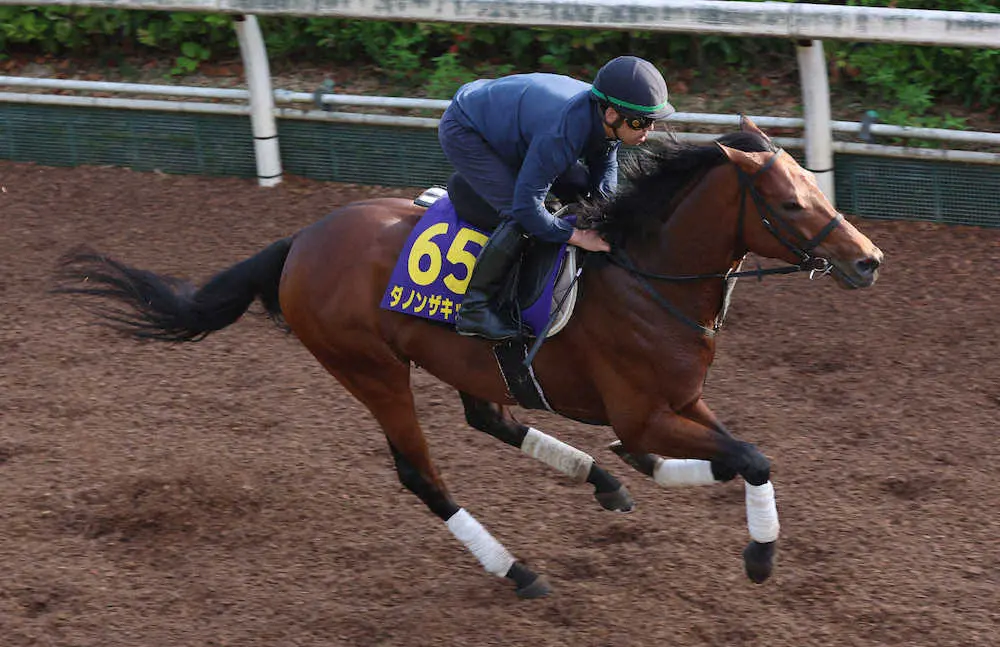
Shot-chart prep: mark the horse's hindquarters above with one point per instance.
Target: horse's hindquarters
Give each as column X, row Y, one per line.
column 337, row 269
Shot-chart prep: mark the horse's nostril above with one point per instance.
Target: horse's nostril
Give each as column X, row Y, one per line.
column 868, row 265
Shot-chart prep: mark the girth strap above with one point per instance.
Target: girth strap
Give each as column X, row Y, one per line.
column 518, row 375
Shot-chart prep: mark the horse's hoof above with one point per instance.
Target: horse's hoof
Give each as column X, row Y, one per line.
column 758, row 559
column 618, row 501
column 538, row 588
column 529, row 585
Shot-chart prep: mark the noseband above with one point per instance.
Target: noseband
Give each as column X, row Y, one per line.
column 774, row 222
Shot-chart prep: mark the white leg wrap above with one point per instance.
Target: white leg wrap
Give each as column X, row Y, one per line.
column 678, row 472
column 762, row 513
column 490, row 553
column 567, row 459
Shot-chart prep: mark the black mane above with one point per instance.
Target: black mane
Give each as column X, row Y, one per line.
column 655, row 176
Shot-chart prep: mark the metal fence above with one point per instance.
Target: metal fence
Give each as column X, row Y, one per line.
column 204, row 144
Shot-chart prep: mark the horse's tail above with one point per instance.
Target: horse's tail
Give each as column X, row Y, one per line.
column 151, row 306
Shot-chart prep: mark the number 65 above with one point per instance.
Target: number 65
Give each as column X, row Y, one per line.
column 457, row 254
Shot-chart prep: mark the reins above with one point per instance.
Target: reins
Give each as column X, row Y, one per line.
column 813, row 265
column 799, row 245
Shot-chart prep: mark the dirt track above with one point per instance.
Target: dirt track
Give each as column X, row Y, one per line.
column 231, row 493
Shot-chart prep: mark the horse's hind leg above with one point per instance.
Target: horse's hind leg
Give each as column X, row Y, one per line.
column 390, row 400
column 497, row 421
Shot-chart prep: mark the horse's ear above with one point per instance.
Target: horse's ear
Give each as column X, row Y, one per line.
column 746, row 161
column 748, row 126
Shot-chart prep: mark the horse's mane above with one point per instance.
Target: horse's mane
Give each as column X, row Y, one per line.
column 654, row 177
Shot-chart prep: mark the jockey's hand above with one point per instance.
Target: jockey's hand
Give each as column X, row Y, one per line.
column 589, row 240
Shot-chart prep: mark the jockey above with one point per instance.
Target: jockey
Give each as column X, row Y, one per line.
column 515, row 138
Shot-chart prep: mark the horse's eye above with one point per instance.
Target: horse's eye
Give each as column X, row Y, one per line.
column 791, row 206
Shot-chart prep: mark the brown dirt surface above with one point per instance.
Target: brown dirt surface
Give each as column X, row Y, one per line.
column 230, row 492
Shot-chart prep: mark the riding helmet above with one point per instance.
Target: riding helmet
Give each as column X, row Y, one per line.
column 634, row 87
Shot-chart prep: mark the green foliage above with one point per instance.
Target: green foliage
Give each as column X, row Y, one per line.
column 914, row 78
column 111, row 33
column 192, row 55
column 441, row 56
column 448, row 75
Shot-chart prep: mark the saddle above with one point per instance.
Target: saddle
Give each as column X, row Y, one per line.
column 432, row 271
column 436, row 263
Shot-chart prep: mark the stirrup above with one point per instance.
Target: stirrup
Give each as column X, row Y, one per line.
column 509, row 327
column 513, row 333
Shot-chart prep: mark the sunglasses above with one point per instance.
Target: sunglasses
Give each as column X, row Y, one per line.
column 639, row 123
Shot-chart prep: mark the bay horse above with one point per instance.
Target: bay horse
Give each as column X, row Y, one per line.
column 634, row 356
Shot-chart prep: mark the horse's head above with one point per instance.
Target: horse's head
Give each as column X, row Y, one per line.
column 794, row 221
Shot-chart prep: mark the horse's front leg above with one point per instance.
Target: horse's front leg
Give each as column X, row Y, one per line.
column 681, row 472
column 704, row 453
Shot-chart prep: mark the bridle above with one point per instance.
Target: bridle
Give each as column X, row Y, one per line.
column 774, row 222
column 799, row 245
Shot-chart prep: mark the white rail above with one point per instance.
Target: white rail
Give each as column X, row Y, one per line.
column 312, row 114
column 265, row 130
column 797, row 21
column 436, row 105
column 816, row 108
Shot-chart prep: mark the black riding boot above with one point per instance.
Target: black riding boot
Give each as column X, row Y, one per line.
column 478, row 315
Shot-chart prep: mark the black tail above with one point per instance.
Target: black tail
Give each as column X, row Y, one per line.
column 169, row 309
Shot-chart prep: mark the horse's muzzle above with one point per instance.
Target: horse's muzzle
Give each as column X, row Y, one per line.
column 860, row 273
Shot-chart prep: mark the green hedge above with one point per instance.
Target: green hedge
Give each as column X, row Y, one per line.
column 439, row 56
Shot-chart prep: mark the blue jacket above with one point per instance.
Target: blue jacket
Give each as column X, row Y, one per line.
column 540, row 125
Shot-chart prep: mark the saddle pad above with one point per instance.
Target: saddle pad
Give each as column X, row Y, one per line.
column 433, row 270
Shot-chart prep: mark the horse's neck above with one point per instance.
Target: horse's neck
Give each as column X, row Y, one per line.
column 698, row 238
column 700, row 235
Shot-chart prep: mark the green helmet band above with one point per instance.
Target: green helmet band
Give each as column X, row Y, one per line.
column 625, row 104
